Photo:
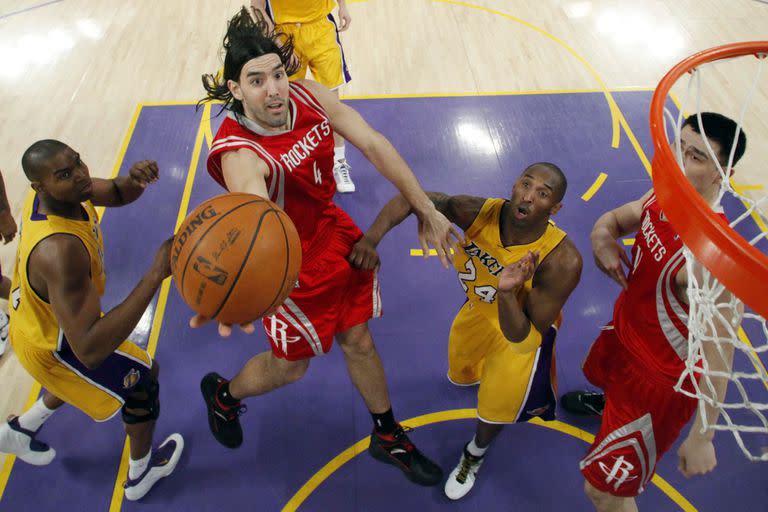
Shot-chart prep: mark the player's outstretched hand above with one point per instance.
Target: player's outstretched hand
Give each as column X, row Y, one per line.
column 437, row 231
column 514, row 275
column 696, row 456
column 364, row 255
column 8, row 226
column 609, row 257
column 144, row 172
column 225, row 330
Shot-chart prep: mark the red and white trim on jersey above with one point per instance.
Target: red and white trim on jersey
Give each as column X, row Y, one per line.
column 671, row 314
column 301, row 94
column 276, row 177
column 376, row 295
column 639, row 436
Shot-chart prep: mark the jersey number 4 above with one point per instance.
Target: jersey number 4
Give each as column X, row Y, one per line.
column 486, row 293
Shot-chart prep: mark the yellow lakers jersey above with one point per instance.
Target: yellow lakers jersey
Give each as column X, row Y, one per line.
column 483, row 257
column 32, row 322
column 299, row 11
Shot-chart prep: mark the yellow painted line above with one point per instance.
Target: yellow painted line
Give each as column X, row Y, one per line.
column 629, row 241
column 456, row 414
column 121, row 152
column 432, row 252
column 744, row 188
column 5, row 473
column 157, row 321
column 612, row 105
column 592, row 190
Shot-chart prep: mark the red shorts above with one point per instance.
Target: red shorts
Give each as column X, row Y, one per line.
column 330, row 298
column 643, row 417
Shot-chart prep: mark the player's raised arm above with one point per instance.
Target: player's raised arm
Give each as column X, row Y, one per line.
column 612, row 225
column 434, row 228
column 125, row 189
column 63, row 277
column 553, row 282
column 245, row 172
column 461, row 210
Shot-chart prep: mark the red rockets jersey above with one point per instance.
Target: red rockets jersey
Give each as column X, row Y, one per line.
column 300, row 162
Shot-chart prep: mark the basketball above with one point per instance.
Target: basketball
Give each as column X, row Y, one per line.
column 235, row 257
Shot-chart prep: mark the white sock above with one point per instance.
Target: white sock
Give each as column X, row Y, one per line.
column 475, row 450
column 137, row 467
column 338, row 153
column 34, row 418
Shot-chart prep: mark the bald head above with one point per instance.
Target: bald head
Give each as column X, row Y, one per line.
column 37, row 155
column 553, row 175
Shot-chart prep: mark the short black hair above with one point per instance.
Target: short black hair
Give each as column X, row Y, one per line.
column 722, row 130
column 562, row 184
column 33, row 158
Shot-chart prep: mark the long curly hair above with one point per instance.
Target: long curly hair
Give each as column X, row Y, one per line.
column 247, row 38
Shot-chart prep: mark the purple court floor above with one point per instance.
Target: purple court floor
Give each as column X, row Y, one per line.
column 457, row 145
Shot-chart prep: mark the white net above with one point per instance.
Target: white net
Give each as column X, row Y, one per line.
column 728, row 343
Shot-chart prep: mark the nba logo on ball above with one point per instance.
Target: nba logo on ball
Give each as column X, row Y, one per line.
column 236, row 257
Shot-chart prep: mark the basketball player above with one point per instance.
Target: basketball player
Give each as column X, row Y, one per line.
column 517, row 269
column 639, row 356
column 57, row 329
column 7, row 233
column 277, row 142
column 317, row 45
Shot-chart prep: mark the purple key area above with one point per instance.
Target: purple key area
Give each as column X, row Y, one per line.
column 301, row 448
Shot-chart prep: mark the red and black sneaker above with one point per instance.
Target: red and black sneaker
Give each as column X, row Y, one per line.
column 398, row 450
column 223, row 420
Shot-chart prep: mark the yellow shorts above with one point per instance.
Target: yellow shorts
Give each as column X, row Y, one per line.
column 514, row 386
column 99, row 393
column 318, row 46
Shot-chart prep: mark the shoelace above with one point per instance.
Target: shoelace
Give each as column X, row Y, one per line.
column 466, row 466
column 343, row 169
column 400, row 437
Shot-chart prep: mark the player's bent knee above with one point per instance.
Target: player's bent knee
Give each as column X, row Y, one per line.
column 295, row 370
column 142, row 406
column 357, row 340
column 600, row 499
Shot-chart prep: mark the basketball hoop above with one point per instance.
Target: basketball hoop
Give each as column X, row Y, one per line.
column 730, row 260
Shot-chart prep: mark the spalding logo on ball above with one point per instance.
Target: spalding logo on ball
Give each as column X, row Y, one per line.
column 235, row 257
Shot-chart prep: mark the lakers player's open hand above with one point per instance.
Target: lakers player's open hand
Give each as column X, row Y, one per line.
column 225, row 330
column 437, row 231
column 345, row 19
column 162, row 262
column 610, row 258
column 144, row 172
column 364, row 255
column 514, row 275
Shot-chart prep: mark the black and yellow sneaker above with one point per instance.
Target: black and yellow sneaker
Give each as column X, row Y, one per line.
column 396, row 449
column 583, row 403
column 224, row 420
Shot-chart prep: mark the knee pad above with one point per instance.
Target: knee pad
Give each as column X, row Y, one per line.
column 150, row 404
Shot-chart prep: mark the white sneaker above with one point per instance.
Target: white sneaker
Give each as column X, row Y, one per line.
column 462, row 478
column 22, row 443
column 3, row 332
column 161, row 464
column 344, row 183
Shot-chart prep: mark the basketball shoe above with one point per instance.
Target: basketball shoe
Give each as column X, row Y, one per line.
column 396, row 449
column 161, row 464
column 462, row 478
column 223, row 420
column 583, row 403
column 22, row 443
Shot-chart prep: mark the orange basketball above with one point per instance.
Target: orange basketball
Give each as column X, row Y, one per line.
column 235, row 257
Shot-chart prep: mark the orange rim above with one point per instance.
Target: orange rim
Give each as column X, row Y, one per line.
column 742, row 268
